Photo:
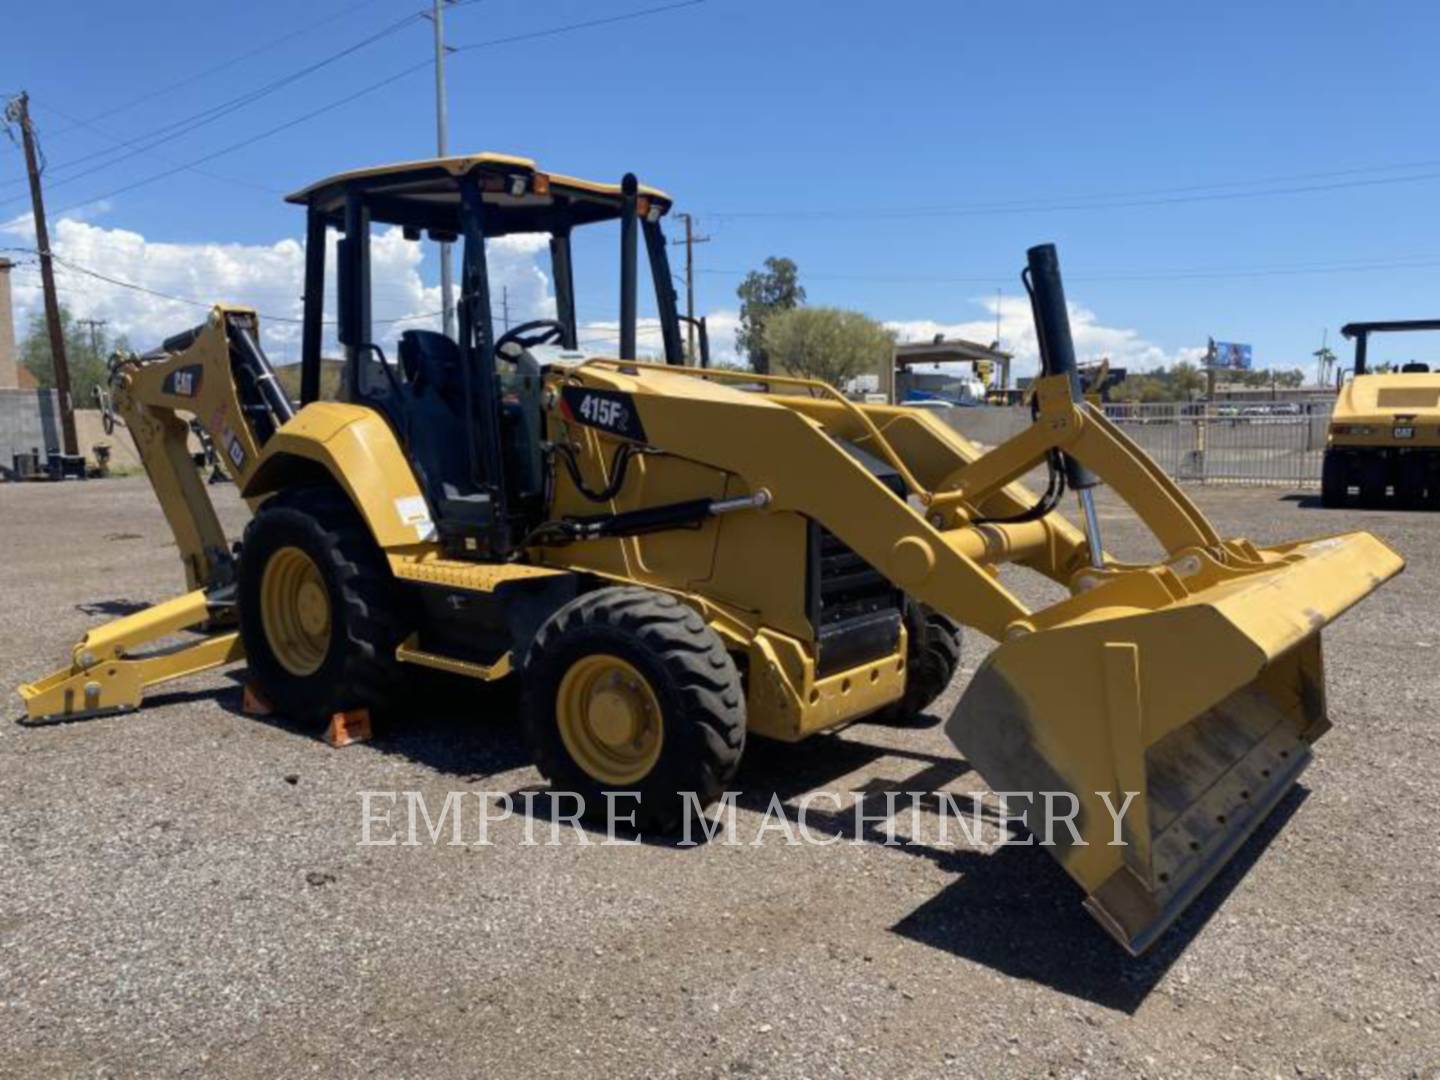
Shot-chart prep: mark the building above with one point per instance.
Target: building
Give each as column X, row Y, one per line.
column 990, row 365
column 29, row 418
column 9, row 354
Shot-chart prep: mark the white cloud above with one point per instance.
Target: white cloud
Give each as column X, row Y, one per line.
column 270, row 277
column 1093, row 340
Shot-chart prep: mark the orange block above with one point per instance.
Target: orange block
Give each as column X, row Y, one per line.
column 253, row 703
column 348, row 727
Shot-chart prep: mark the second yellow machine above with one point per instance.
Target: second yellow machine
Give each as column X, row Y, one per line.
column 1384, row 432
column 676, row 557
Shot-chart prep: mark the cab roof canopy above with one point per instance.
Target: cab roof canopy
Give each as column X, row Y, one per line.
column 426, row 195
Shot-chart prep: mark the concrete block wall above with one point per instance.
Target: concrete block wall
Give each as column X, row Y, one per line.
column 29, row 419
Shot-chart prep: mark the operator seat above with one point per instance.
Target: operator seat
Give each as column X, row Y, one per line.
column 436, row 412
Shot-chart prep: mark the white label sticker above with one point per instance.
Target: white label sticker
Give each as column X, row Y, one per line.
column 413, row 511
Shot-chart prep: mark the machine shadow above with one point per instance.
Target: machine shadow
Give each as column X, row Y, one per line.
column 453, row 725
column 1304, row 501
column 111, row 609
column 1017, row 912
column 1013, row 910
column 777, row 772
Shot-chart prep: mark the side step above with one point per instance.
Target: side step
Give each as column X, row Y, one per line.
column 409, row 652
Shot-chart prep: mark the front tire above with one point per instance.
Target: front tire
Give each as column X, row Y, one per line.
column 628, row 690
column 932, row 658
column 319, row 614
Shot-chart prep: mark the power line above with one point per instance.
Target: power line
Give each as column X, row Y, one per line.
column 250, row 140
column 571, row 27
column 1111, row 201
column 159, row 294
column 598, row 332
column 118, row 140
column 208, row 304
column 142, row 144
column 224, row 65
column 1401, row 262
column 371, row 88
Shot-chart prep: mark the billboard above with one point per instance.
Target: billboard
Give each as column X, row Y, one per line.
column 1230, row 355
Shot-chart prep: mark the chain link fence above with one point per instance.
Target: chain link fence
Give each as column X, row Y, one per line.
column 1278, row 443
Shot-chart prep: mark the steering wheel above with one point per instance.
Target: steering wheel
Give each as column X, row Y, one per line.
column 528, row 335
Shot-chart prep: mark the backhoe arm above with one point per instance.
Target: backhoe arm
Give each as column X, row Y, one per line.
column 205, row 373
column 216, row 374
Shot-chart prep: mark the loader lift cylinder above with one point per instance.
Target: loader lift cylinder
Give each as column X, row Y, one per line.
column 1057, row 357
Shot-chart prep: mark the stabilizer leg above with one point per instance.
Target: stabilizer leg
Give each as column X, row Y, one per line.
column 106, row 676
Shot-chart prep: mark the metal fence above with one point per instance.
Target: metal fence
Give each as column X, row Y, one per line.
column 1280, row 443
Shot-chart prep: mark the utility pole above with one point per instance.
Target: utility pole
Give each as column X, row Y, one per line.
column 1005, row 371
column 505, row 305
column 1324, row 358
column 447, row 284
column 95, row 326
column 690, row 241
column 18, row 112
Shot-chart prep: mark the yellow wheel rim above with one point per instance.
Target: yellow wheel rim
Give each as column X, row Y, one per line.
column 295, row 611
column 609, row 719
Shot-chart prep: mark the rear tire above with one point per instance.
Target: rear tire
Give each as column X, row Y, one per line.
column 1334, row 481
column 319, row 609
column 1374, row 479
column 1411, row 474
column 628, row 690
column 932, row 658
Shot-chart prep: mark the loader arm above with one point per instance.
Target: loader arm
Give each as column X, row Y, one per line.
column 1195, row 683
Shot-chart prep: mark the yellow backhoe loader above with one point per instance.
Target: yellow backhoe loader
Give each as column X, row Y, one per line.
column 675, row 557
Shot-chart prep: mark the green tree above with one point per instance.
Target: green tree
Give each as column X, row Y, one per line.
column 826, row 343
column 1186, row 380
column 762, row 294
column 1149, row 387
column 85, row 354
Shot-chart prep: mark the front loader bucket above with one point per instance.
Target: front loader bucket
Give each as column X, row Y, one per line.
column 1201, row 693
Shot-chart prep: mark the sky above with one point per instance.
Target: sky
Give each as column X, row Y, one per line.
column 1253, row 172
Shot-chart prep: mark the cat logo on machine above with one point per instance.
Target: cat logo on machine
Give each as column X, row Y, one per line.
column 183, row 382
column 608, row 410
column 234, row 450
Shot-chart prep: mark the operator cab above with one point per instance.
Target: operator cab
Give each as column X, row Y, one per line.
column 1360, row 333
column 468, row 408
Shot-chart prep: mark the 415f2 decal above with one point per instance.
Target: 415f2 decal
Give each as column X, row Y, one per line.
column 608, row 410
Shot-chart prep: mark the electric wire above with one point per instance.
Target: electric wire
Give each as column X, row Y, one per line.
column 378, row 85
column 143, row 144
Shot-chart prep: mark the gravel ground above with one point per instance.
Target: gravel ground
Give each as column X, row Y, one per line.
column 182, row 890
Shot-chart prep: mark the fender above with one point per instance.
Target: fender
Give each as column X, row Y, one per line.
column 355, row 447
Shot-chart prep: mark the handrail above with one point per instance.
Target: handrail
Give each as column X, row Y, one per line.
column 881, row 443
